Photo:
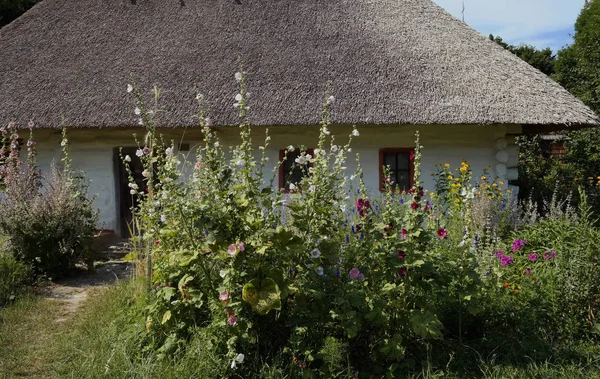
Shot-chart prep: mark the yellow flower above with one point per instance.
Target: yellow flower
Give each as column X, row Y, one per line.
column 457, row 201
column 507, row 191
column 489, row 197
column 470, row 172
column 494, row 185
column 501, row 183
column 458, row 185
column 483, row 178
column 447, row 164
column 456, row 179
column 487, row 186
column 479, row 193
column 449, row 176
column 463, row 169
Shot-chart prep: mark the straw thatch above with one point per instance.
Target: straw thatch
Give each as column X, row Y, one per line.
column 389, row 61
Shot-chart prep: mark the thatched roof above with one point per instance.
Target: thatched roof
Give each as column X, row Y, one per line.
column 389, row 61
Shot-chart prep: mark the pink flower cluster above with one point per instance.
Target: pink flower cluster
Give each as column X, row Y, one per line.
column 518, row 244
column 363, row 206
column 234, row 249
column 355, row 274
column 504, row 258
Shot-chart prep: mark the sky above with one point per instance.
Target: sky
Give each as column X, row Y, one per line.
column 541, row 23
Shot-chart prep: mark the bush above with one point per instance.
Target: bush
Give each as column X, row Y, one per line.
column 14, row 276
column 50, row 223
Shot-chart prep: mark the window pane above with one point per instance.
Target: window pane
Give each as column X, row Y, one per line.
column 403, row 179
column 389, row 159
column 403, row 161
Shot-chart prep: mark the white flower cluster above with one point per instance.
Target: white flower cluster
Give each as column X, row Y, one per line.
column 303, row 159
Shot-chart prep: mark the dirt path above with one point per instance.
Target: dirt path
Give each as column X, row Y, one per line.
column 72, row 292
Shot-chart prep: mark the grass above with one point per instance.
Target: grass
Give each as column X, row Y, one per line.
column 102, row 341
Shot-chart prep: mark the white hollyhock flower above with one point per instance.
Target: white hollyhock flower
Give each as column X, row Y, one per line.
column 236, row 105
column 133, row 192
column 268, row 138
column 317, row 152
column 139, row 152
column 129, row 88
column 140, row 122
column 240, row 358
column 223, row 273
column 334, row 148
column 292, row 187
column 355, row 133
column 216, row 144
column 163, row 218
column 301, row 159
column 169, row 151
column 238, row 76
column 326, row 131
column 207, row 121
column 240, row 163
column 145, row 173
column 331, row 99
column 316, row 253
column 199, row 96
column 64, row 142
column 291, row 148
column 319, row 270
column 137, row 111
column 462, row 243
column 312, row 188
column 127, row 158
column 238, row 97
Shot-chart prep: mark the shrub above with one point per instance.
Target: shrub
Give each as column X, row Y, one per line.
column 14, row 276
column 50, row 223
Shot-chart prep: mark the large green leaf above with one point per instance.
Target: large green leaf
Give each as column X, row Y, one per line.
column 262, row 296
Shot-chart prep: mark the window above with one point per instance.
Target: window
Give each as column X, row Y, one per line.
column 400, row 164
column 289, row 171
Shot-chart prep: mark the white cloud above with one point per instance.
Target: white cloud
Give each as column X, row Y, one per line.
column 519, row 21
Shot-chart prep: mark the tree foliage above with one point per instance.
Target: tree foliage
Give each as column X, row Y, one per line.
column 11, row 9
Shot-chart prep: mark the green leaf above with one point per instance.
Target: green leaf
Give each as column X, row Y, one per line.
column 166, row 317
column 426, row 324
column 262, row 296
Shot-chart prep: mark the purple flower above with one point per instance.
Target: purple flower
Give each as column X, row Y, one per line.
column 402, row 272
column 499, row 253
column 549, row 254
column 518, row 244
column 146, row 150
column 528, row 272
column 401, row 254
column 532, row 257
column 355, row 273
column 441, row 232
column 506, row 260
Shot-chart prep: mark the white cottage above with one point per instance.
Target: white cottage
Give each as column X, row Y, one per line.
column 395, row 67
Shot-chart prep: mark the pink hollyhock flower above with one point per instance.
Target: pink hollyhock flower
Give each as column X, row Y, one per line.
column 354, row 273
column 404, row 233
column 402, row 272
column 361, row 277
column 441, row 232
column 157, row 242
column 232, row 320
column 412, row 155
column 241, row 247
column 532, row 257
column 232, row 250
column 223, row 296
column 401, row 254
column 146, row 150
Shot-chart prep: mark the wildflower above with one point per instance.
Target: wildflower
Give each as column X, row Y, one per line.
column 223, row 296
column 331, row 100
column 216, row 144
column 319, row 271
column 163, row 218
column 518, row 244
column 292, row 187
column 483, row 178
column 169, row 151
column 63, row 143
column 402, row 272
column 232, row 320
column 132, row 192
column 441, row 232
column 401, row 254
column 326, row 131
column 207, row 121
column 446, row 164
column 127, row 159
column 137, row 111
column 317, row 152
column 223, row 273
column 532, row 257
column 139, row 152
column 506, row 285
column 291, row 148
column 528, row 272
column 516, row 291
column 354, row 273
column 157, row 242
column 199, row 96
column 415, row 205
column 232, row 250
column 241, row 247
column 404, row 233
column 334, row 148
column 145, row 173
column 498, row 253
column 355, row 133
column 457, row 201
column 316, row 253
column 129, row 88
column 506, row 260
column 238, row 76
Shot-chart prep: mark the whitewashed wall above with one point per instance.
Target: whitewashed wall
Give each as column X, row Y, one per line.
column 93, row 151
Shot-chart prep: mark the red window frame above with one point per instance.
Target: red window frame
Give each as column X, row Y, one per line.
column 281, row 174
column 411, row 165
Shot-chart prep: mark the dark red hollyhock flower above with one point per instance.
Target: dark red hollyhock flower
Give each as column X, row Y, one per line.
column 401, row 254
column 415, row 205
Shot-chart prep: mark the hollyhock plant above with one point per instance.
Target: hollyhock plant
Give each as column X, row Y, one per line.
column 441, row 232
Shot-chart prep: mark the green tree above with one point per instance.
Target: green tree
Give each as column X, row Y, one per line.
column 11, row 9
column 578, row 65
column 543, row 59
